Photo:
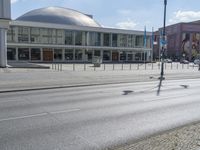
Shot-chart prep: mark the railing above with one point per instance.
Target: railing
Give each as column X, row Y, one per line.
column 120, row 66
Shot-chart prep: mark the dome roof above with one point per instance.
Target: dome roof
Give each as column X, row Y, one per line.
column 59, row 15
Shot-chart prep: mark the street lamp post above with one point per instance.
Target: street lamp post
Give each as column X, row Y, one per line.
column 163, row 41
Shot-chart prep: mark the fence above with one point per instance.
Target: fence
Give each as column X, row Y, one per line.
column 120, row 66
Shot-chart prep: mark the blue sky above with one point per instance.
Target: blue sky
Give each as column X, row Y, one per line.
column 126, row 14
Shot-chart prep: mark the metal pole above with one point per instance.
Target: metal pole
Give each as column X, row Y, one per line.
column 73, row 67
column 163, row 40
column 84, row 66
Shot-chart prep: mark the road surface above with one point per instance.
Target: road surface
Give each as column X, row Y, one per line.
column 95, row 117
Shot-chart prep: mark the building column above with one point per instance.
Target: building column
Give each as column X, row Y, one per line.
column 73, row 54
column 3, row 48
column 133, row 58
column 16, row 57
column 83, row 55
column 102, row 39
column 41, row 54
column 5, row 16
column 101, row 54
column 29, row 49
column 111, row 55
column 118, row 56
column 127, row 55
column 63, row 54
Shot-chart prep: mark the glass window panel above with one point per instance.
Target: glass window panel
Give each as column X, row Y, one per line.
column 35, row 54
column 78, row 54
column 69, row 54
column 44, row 36
column 94, row 39
column 60, row 37
column 35, row 35
column 57, row 54
column 139, row 41
column 78, row 38
column 11, row 54
column 106, row 39
column 106, row 55
column 114, row 40
column 23, row 54
column 69, row 37
column 11, row 34
column 131, row 41
column 122, row 40
column 23, row 34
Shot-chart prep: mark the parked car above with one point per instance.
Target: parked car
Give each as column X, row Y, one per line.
column 184, row 61
column 167, row 60
column 197, row 61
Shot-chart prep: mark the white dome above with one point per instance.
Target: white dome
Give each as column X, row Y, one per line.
column 59, row 15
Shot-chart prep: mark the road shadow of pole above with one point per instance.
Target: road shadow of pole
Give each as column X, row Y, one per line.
column 164, row 46
column 161, row 78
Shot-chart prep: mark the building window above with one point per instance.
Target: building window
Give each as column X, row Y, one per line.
column 122, row 40
column 131, row 41
column 114, row 40
column 78, row 38
column 23, row 54
column 44, row 36
column 11, row 34
column 35, row 54
column 94, row 39
column 97, row 53
column 139, row 41
column 35, row 35
column 69, row 54
column 57, row 54
column 106, row 55
column 11, row 54
column 106, row 39
column 23, row 34
column 60, row 37
column 69, row 37
column 78, row 54
column 123, row 56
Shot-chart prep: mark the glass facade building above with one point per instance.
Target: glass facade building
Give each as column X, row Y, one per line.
column 49, row 41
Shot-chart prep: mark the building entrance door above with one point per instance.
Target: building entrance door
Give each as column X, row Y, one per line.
column 47, row 54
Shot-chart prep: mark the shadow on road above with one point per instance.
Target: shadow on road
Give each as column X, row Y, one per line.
column 127, row 92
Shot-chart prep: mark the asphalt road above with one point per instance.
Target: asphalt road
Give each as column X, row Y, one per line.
column 95, row 117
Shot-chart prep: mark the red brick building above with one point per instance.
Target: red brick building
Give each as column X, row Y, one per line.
column 182, row 41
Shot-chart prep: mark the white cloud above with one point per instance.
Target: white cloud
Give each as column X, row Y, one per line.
column 13, row 1
column 129, row 24
column 185, row 16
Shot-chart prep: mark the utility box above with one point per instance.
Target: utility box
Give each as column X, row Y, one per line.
column 97, row 61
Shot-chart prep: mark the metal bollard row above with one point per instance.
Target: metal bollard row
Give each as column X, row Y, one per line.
column 57, row 67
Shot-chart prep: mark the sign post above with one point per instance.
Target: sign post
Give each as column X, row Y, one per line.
column 5, row 17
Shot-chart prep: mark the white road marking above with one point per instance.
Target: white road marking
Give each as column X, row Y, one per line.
column 23, row 117
column 64, row 111
column 39, row 114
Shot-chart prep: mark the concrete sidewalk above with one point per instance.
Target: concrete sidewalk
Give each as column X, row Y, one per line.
column 27, row 79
